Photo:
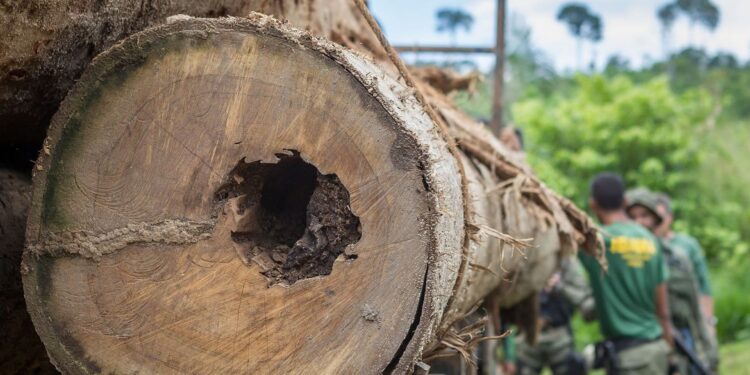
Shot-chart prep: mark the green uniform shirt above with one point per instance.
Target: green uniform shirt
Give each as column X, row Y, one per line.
column 509, row 347
column 695, row 253
column 625, row 294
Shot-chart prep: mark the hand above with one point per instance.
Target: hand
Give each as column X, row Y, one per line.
column 552, row 282
column 674, row 368
column 509, row 368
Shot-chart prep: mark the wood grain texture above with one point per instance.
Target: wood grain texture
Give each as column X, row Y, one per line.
column 150, row 134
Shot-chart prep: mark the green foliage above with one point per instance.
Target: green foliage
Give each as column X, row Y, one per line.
column 679, row 126
column 721, row 75
column 584, row 333
column 639, row 131
column 724, row 194
column 732, row 307
column 654, row 138
column 662, row 140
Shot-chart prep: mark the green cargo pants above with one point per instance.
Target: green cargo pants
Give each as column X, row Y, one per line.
column 647, row 359
column 552, row 350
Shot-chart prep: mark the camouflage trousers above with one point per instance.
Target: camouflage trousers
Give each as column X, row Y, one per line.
column 651, row 358
column 553, row 349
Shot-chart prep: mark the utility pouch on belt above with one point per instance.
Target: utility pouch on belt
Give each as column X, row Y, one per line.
column 576, row 364
column 605, row 356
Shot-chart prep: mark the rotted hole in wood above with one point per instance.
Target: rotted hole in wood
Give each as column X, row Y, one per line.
column 287, row 218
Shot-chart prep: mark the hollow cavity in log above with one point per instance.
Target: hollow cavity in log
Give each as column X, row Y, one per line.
column 288, row 218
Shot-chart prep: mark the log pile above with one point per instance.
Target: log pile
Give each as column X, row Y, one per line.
column 243, row 194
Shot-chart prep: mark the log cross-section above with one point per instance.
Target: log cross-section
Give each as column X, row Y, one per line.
column 155, row 134
column 236, row 195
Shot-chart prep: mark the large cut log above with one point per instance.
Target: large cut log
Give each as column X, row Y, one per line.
column 235, row 195
column 21, row 351
column 46, row 44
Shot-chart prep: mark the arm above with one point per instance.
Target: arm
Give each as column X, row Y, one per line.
column 707, row 306
column 577, row 291
column 700, row 328
column 662, row 312
column 704, row 280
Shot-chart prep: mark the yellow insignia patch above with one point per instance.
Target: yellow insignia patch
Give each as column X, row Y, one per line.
column 635, row 251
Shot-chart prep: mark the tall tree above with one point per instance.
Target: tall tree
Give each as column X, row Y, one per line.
column 582, row 24
column 699, row 12
column 450, row 20
column 593, row 31
column 667, row 14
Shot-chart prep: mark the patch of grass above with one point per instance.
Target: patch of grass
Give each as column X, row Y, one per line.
column 735, row 358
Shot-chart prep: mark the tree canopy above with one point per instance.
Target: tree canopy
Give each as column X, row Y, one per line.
column 698, row 12
column 582, row 23
column 450, row 20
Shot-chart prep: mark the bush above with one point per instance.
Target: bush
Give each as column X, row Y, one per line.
column 652, row 137
column 643, row 132
column 732, row 307
column 724, row 194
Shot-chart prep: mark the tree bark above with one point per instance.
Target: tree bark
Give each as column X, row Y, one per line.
column 234, row 195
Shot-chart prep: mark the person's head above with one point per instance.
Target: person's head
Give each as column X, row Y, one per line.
column 664, row 207
column 512, row 137
column 607, row 194
column 642, row 208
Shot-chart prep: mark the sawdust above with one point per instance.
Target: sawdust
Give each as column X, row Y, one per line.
column 370, row 314
column 94, row 245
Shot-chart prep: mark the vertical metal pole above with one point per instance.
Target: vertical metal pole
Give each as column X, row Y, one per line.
column 497, row 83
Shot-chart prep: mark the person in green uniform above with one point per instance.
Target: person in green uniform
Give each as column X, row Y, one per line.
column 566, row 291
column 684, row 297
column 631, row 293
column 695, row 252
column 692, row 248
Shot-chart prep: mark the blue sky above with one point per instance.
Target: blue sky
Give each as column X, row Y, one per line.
column 630, row 27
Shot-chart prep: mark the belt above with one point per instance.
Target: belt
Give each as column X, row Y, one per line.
column 628, row 343
column 552, row 327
